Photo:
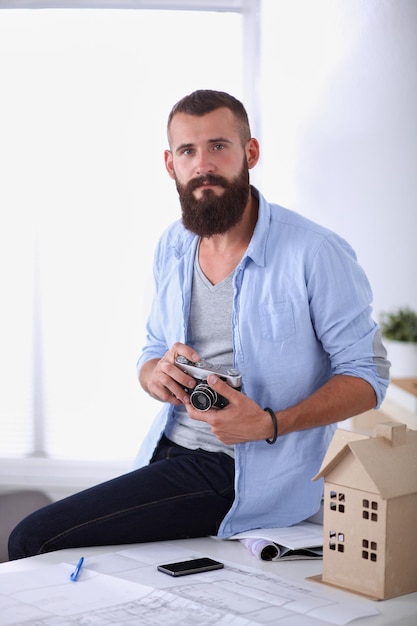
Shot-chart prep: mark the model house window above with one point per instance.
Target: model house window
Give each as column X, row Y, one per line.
column 369, row 549
column 370, row 509
column 337, row 501
column 336, row 541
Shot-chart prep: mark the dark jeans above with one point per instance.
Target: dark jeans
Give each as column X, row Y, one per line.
column 181, row 493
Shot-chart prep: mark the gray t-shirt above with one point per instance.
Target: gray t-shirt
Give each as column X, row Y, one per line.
column 210, row 334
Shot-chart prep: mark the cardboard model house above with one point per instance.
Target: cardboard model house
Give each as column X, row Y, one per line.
column 370, row 511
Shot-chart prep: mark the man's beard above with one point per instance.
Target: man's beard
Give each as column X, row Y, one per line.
column 212, row 214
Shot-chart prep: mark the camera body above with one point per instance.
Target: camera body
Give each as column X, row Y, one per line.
column 203, row 397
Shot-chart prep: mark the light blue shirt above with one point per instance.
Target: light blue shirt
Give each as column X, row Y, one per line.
column 301, row 314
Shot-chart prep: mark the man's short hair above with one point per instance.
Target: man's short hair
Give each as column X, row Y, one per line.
column 205, row 101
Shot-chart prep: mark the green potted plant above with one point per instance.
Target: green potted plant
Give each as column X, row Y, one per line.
column 399, row 329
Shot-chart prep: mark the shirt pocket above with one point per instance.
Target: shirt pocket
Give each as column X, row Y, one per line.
column 277, row 320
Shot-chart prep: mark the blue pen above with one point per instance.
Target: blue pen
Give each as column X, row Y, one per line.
column 76, row 572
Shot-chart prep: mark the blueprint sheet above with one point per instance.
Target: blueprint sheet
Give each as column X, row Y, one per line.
column 125, row 589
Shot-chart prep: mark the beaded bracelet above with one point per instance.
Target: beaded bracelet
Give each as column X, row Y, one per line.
column 273, row 439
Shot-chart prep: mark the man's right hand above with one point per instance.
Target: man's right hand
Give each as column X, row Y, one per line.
column 163, row 380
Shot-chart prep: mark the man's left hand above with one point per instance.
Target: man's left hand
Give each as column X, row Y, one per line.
column 240, row 421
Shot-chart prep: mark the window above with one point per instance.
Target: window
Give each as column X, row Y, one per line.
column 337, row 501
column 336, row 541
column 369, row 510
column 84, row 197
column 369, row 551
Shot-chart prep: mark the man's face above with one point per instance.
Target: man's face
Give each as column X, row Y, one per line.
column 210, row 169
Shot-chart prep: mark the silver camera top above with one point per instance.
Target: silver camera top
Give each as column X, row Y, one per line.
column 201, row 369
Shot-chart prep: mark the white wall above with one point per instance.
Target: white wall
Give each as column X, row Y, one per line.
column 338, row 91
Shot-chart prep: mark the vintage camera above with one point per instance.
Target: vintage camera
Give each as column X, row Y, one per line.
column 203, row 397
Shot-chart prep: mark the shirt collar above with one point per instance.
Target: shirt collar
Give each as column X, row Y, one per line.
column 257, row 245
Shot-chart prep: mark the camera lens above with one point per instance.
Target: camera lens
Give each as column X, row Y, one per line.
column 203, row 397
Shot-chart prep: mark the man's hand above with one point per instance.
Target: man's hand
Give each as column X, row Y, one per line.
column 163, row 380
column 243, row 420
column 240, row 421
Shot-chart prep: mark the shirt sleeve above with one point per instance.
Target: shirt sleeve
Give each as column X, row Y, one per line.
column 340, row 304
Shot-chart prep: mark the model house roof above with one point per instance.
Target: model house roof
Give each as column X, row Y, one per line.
column 388, row 459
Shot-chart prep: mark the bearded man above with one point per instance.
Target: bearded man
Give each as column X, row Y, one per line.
column 245, row 291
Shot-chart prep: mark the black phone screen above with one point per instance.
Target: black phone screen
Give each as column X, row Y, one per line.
column 193, row 566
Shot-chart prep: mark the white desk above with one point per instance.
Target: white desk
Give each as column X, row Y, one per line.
column 401, row 611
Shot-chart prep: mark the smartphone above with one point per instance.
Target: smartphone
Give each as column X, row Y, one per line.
column 193, row 566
